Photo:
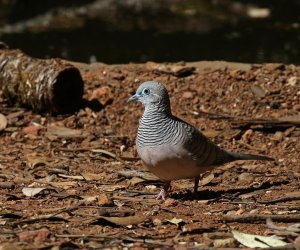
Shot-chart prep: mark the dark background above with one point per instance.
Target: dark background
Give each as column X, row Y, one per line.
column 122, row 31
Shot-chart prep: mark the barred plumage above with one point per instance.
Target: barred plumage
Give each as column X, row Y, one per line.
column 171, row 148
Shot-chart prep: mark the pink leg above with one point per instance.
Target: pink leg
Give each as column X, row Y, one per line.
column 163, row 194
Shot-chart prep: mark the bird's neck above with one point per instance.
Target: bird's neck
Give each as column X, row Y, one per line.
column 162, row 109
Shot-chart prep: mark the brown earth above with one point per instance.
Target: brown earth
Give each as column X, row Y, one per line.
column 94, row 191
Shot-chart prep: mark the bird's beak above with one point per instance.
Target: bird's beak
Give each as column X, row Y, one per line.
column 133, row 98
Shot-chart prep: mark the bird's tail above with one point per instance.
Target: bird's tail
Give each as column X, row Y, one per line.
column 240, row 156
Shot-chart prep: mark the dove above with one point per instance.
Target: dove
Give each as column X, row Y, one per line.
column 171, row 148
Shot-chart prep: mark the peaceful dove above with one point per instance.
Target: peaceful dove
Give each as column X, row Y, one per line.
column 171, row 148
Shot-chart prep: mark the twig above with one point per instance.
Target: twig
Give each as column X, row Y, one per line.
column 46, row 216
column 281, row 199
column 253, row 218
column 102, row 151
column 294, row 229
column 127, row 238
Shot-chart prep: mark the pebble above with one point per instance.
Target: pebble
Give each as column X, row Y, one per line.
column 245, row 178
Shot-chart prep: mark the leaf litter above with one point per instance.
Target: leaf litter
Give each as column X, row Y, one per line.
column 84, row 183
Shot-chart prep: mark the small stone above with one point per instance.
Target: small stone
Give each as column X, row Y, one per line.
column 188, row 95
column 278, row 136
column 258, row 91
column 157, row 222
column 245, row 178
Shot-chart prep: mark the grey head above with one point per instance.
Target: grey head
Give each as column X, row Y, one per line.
column 152, row 94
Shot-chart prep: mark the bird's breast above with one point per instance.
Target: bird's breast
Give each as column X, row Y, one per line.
column 169, row 162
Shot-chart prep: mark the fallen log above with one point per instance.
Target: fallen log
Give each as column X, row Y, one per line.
column 49, row 85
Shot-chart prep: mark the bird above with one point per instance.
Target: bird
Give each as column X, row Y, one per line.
column 171, row 148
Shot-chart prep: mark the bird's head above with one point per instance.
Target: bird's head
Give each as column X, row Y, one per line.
column 151, row 93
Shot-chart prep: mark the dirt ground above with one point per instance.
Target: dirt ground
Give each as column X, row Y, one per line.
column 75, row 181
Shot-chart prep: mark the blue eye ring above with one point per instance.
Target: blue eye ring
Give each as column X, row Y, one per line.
column 146, row 91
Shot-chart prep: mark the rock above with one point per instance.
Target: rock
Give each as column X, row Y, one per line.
column 157, row 222
column 258, row 91
column 245, row 178
column 278, row 136
column 188, row 95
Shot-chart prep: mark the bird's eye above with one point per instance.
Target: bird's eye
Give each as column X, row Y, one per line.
column 146, row 91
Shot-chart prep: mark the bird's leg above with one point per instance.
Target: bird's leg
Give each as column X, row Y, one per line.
column 163, row 194
column 196, row 184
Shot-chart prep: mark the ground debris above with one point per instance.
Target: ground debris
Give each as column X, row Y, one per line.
column 88, row 188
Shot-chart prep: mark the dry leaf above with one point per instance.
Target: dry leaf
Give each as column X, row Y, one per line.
column 32, row 191
column 207, row 179
column 32, row 129
column 94, row 177
column 63, row 184
column 176, row 221
column 63, row 132
column 124, row 221
column 135, row 180
column 3, row 122
column 10, row 246
column 105, row 152
column 34, row 160
column 110, row 188
column 251, row 240
column 37, row 236
column 75, row 177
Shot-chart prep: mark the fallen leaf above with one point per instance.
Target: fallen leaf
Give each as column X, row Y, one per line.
column 124, row 221
column 10, row 246
column 136, row 180
column 225, row 243
column 94, row 177
column 63, row 132
column 63, row 184
column 34, row 160
column 105, row 152
column 75, row 177
column 32, row 191
column 132, row 173
column 36, row 236
column 176, row 221
column 207, row 179
column 3, row 122
column 251, row 240
column 101, row 199
column 32, row 129
column 110, row 188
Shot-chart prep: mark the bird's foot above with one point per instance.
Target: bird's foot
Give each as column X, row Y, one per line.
column 162, row 195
